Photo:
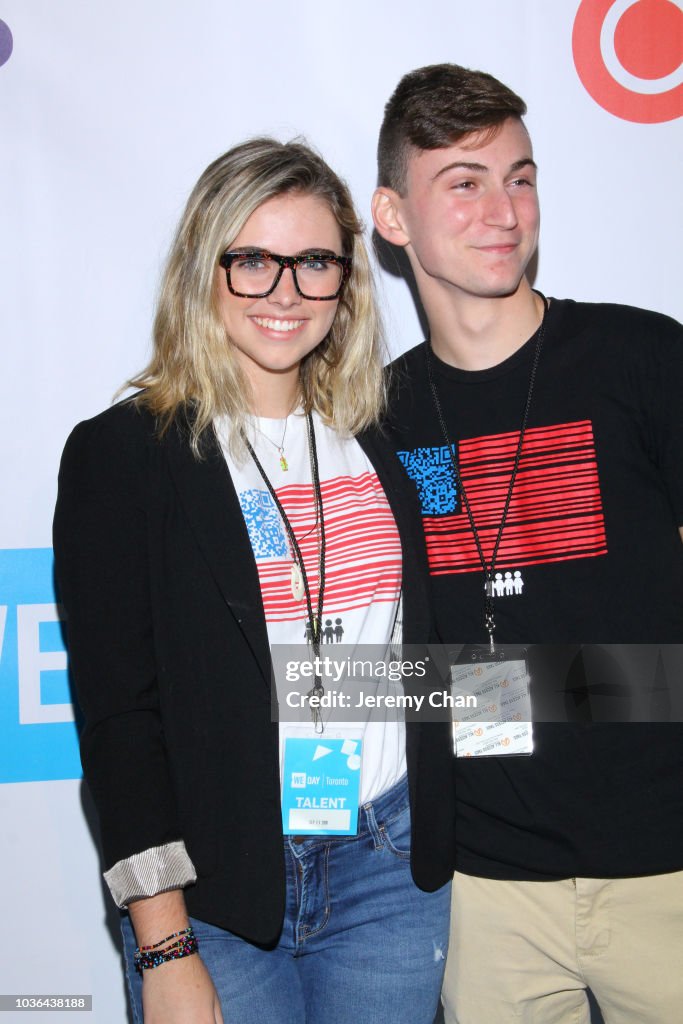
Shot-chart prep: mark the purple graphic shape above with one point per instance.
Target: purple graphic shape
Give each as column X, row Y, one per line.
column 6, row 43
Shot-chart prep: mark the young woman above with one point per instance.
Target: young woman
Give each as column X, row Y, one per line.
column 241, row 498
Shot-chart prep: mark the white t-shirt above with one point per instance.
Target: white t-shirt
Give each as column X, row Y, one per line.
column 362, row 559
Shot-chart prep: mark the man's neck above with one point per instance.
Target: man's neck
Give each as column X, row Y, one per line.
column 475, row 333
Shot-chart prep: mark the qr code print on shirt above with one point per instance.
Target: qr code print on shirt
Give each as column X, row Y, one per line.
column 432, row 471
column 266, row 532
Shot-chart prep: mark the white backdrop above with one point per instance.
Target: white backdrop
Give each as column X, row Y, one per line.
column 108, row 113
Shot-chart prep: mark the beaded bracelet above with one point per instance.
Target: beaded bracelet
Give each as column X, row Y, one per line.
column 148, row 957
column 189, row 931
column 147, row 961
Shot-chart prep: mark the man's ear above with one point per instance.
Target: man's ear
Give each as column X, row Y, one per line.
column 386, row 213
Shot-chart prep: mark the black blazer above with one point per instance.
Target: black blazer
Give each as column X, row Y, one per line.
column 170, row 660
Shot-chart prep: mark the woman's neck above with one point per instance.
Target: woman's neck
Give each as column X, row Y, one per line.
column 275, row 395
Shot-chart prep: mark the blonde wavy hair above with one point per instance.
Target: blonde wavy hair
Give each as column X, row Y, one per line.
column 193, row 368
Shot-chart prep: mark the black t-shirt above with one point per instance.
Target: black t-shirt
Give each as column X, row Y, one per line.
column 590, row 553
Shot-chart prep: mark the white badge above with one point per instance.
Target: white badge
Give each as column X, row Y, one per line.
column 498, row 722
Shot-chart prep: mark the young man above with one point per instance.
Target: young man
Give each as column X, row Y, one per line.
column 545, row 438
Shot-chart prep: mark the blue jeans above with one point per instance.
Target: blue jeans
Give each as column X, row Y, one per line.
column 359, row 942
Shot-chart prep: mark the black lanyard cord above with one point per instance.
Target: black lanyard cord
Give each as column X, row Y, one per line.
column 315, row 620
column 489, row 620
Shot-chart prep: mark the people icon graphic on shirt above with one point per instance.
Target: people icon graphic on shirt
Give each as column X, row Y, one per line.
column 509, row 585
column 331, row 632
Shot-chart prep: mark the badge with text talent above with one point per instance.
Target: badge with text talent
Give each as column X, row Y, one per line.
column 321, row 785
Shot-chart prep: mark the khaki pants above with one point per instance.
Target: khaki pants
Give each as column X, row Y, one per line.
column 525, row 951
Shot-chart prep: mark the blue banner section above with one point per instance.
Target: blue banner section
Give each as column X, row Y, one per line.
column 38, row 738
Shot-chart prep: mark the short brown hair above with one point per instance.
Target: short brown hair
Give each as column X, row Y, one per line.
column 437, row 106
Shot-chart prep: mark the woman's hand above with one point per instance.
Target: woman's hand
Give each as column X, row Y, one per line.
column 180, row 992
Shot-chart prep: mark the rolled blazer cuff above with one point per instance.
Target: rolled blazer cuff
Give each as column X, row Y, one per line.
column 151, row 872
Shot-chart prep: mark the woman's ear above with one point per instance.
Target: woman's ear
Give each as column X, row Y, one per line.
column 386, row 213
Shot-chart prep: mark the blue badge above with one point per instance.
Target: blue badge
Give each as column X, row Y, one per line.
column 321, row 786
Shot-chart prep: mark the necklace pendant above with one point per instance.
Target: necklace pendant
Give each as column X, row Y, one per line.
column 488, row 588
column 283, row 461
column 297, row 583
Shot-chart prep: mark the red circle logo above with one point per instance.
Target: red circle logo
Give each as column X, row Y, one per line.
column 629, row 57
